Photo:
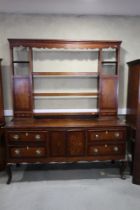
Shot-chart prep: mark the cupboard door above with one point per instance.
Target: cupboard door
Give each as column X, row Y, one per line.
column 76, row 143
column 108, row 97
column 22, row 97
column 57, row 144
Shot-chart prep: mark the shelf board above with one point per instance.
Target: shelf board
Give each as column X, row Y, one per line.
column 109, row 62
column 21, row 62
column 67, row 94
column 95, row 74
column 66, row 114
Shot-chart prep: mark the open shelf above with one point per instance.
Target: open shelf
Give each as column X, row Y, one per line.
column 89, row 94
column 21, row 62
column 92, row 74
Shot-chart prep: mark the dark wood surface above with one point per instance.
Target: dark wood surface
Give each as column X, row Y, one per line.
column 133, row 116
column 53, row 123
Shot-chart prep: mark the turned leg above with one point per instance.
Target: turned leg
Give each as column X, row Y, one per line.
column 9, row 173
column 123, row 165
column 112, row 161
column 17, row 165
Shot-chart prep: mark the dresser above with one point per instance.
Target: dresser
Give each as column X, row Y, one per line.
column 65, row 102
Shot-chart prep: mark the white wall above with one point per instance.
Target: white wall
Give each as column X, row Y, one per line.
column 122, row 28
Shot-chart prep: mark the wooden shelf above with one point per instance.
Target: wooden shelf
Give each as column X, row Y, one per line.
column 109, row 62
column 60, row 114
column 90, row 94
column 94, row 74
column 21, row 62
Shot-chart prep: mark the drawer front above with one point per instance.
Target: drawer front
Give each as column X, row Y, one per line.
column 17, row 152
column 27, row 136
column 115, row 149
column 105, row 135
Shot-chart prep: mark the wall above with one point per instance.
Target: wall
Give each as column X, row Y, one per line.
column 122, row 28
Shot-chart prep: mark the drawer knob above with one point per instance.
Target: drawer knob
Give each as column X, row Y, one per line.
column 37, row 137
column 26, row 134
column 97, row 136
column 38, row 152
column 16, row 136
column 17, row 151
column 95, row 150
column 117, row 134
column 116, row 149
column 106, row 145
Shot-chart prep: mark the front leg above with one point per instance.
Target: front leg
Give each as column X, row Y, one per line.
column 9, row 173
column 123, row 165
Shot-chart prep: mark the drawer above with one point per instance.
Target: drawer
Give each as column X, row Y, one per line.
column 20, row 152
column 106, row 149
column 105, row 135
column 27, row 136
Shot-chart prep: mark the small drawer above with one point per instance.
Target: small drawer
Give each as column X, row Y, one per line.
column 20, row 152
column 27, row 136
column 105, row 135
column 106, row 149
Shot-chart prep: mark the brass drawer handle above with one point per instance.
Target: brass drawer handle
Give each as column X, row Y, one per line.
column 37, row 137
column 116, row 149
column 17, row 151
column 38, row 152
column 96, row 150
column 97, row 136
column 16, row 137
column 117, row 134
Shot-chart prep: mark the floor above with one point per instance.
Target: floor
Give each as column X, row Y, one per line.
column 69, row 187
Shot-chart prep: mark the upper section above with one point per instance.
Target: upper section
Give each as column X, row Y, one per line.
column 64, row 76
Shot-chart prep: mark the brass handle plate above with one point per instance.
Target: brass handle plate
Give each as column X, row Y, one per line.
column 17, row 151
column 117, row 134
column 37, row 137
column 116, row 149
column 16, row 137
column 96, row 150
column 38, row 152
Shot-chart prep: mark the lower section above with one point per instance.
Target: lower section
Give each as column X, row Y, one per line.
column 65, row 141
